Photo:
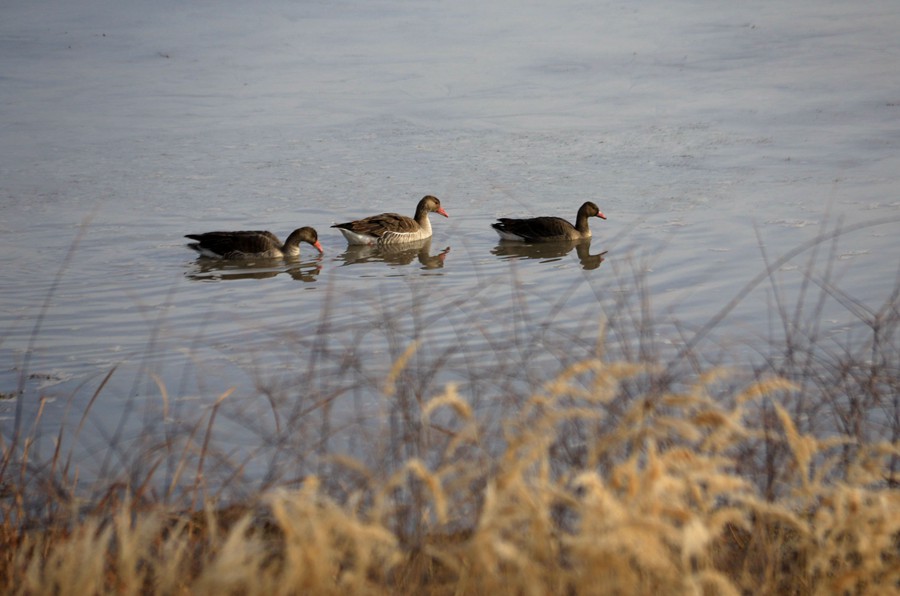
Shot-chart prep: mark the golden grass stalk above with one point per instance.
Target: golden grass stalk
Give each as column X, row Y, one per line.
column 656, row 505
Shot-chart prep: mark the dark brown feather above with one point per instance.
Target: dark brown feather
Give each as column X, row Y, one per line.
column 242, row 241
column 536, row 228
column 378, row 225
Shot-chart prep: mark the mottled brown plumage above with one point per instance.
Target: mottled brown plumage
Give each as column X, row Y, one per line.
column 252, row 243
column 548, row 229
column 392, row 228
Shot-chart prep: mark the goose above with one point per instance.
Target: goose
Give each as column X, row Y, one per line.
column 252, row 243
column 548, row 229
column 391, row 228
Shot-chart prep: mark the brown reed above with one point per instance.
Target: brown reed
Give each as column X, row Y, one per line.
column 658, row 507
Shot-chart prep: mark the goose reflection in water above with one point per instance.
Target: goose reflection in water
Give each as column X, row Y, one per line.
column 550, row 251
column 395, row 254
column 226, row 270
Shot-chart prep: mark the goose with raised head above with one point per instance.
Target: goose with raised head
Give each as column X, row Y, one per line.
column 246, row 244
column 392, row 228
column 548, row 229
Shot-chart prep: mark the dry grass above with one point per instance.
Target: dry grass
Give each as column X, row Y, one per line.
column 657, row 507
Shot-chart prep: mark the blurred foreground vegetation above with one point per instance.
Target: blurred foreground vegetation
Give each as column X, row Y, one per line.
column 658, row 503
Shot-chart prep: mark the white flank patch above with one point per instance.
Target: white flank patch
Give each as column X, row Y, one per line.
column 507, row 236
column 354, row 238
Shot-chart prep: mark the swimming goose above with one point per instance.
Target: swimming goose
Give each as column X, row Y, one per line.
column 252, row 243
column 548, row 229
column 391, row 228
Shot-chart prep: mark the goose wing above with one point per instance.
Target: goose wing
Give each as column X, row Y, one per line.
column 535, row 228
column 244, row 241
column 379, row 225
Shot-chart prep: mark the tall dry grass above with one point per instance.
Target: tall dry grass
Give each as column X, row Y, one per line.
column 657, row 506
column 636, row 468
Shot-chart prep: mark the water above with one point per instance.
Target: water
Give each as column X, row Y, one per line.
column 709, row 135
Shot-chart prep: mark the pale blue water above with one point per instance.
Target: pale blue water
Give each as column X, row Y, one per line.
column 700, row 130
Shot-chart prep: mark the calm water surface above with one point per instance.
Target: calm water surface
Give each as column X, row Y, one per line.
column 713, row 139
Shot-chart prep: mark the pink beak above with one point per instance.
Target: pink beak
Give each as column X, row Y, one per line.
column 442, row 212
